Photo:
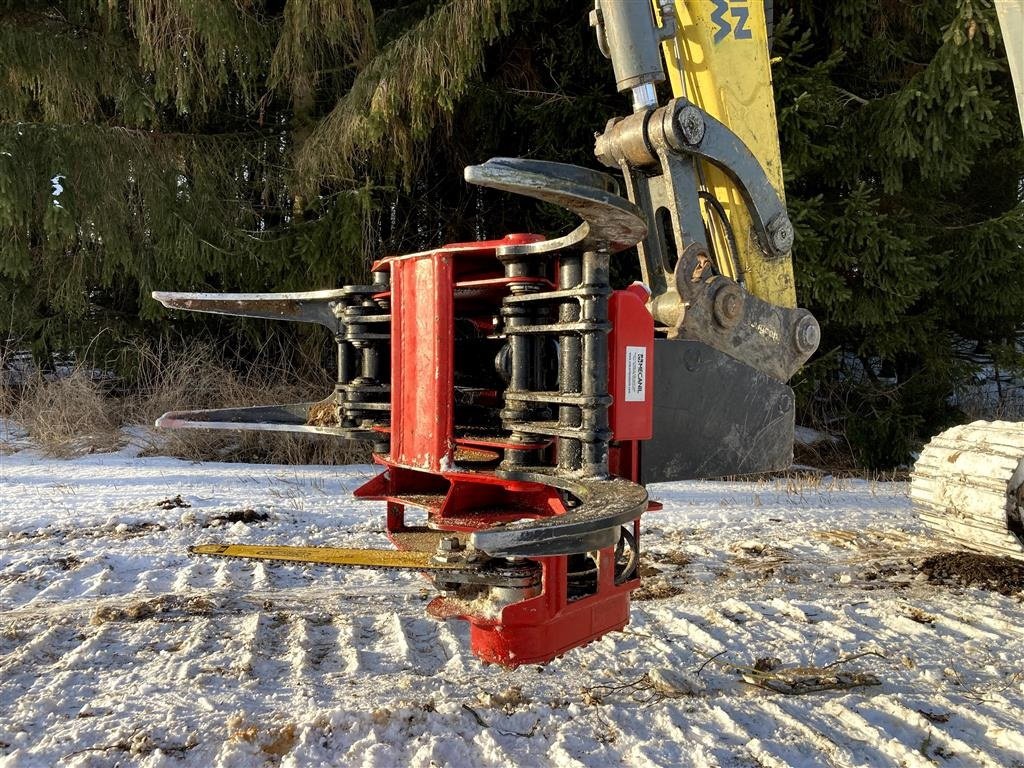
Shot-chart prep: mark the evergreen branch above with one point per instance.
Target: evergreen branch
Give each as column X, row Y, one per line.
column 548, row 96
column 60, row 74
column 852, row 96
column 316, row 32
column 405, row 91
column 1014, row 216
column 195, row 50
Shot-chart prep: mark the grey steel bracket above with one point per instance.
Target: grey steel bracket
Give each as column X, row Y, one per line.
column 658, row 152
column 690, row 130
column 610, row 222
column 647, row 141
column 772, row 339
column 604, row 507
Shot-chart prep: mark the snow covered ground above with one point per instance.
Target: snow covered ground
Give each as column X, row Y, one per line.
column 117, row 648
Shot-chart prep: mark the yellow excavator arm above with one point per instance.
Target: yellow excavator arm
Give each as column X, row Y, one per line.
column 719, row 60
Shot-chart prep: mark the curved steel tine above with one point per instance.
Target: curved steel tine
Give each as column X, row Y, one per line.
column 302, row 307
column 606, row 505
column 291, row 417
column 610, row 222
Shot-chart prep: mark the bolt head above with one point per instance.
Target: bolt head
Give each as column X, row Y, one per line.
column 728, row 306
column 691, row 124
column 807, row 336
column 449, row 550
column 731, row 305
column 782, row 234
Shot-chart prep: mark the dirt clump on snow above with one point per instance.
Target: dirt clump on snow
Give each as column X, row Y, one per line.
column 176, row 503
column 997, row 574
column 273, row 740
column 673, row 557
column 238, row 516
column 657, row 588
column 137, row 611
column 506, row 700
column 280, row 742
column 141, row 610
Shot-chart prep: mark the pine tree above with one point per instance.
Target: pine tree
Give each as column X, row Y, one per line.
column 904, row 167
column 206, row 145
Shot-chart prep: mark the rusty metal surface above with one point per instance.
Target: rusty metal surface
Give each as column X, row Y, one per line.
column 610, row 222
column 605, row 505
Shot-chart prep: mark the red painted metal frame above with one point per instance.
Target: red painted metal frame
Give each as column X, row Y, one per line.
column 422, row 350
column 428, row 292
column 631, row 416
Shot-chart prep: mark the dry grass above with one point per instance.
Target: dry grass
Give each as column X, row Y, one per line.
column 196, row 377
column 67, row 416
column 8, row 392
column 976, row 403
column 75, row 414
column 834, row 455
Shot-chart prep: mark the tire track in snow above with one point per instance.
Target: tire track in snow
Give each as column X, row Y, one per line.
column 263, row 646
column 874, row 741
column 392, row 642
column 982, row 719
column 358, row 634
column 417, row 641
column 66, row 684
column 310, row 640
column 779, row 743
column 777, row 711
column 39, row 649
column 678, row 726
column 725, row 723
column 333, row 652
column 934, row 738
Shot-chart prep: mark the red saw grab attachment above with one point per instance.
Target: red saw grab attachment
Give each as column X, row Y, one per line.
column 507, row 388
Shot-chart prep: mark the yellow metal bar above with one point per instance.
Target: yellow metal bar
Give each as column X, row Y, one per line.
column 357, row 558
column 719, row 60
